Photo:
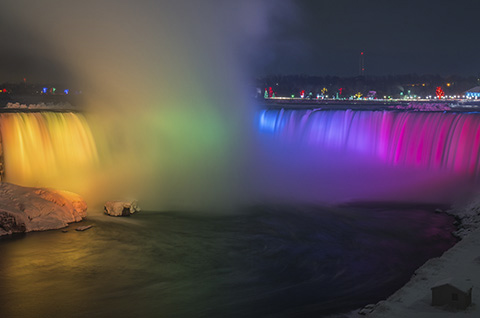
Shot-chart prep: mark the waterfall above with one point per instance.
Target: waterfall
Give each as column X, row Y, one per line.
column 427, row 140
column 346, row 155
column 48, row 149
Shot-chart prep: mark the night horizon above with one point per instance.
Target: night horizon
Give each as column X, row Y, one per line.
column 239, row 159
column 304, row 37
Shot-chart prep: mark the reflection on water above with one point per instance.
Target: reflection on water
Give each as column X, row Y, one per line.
column 270, row 261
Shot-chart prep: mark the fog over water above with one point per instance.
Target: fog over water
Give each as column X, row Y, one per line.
column 337, row 156
column 168, row 104
column 168, row 107
column 166, row 88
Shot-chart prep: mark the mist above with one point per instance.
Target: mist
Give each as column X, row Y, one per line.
column 168, row 102
column 167, row 92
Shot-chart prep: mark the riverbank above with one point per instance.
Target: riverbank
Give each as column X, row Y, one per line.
column 268, row 261
column 460, row 263
column 448, row 105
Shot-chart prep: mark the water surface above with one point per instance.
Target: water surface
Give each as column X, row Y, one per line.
column 269, row 261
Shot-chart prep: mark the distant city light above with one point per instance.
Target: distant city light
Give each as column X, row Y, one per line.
column 439, row 92
column 472, row 95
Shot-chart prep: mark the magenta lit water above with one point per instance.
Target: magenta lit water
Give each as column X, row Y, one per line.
column 369, row 155
column 281, row 257
column 304, row 156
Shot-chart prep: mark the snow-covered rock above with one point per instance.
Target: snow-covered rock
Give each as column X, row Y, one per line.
column 121, row 208
column 25, row 209
column 468, row 216
column 367, row 309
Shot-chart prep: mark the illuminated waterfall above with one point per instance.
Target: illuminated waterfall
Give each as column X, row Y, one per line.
column 48, row 149
column 346, row 155
column 432, row 140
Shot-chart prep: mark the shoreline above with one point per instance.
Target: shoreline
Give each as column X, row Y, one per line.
column 461, row 262
column 469, row 216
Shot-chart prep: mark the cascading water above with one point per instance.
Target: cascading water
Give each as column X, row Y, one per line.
column 370, row 155
column 431, row 140
column 165, row 88
column 167, row 84
column 306, row 155
column 49, row 149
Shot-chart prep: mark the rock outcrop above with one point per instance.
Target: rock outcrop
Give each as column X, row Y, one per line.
column 121, row 208
column 24, row 209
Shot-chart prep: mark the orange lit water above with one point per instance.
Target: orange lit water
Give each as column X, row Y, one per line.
column 47, row 149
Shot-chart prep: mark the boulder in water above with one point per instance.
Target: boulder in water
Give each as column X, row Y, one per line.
column 121, row 208
column 24, row 209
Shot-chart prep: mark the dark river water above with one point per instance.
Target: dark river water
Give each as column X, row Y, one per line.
column 270, row 261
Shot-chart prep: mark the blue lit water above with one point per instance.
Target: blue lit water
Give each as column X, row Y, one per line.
column 269, row 261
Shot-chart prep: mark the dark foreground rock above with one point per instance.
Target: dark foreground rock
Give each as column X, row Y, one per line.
column 25, row 209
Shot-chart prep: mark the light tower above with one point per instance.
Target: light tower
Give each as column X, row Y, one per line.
column 361, row 65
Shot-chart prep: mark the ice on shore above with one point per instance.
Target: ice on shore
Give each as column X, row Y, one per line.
column 462, row 262
column 24, row 209
column 424, row 107
column 40, row 106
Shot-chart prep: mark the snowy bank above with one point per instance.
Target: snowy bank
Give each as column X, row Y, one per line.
column 40, row 106
column 461, row 263
column 36, row 209
column 423, row 107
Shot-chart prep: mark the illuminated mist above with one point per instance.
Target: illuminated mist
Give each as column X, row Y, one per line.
column 169, row 110
column 166, row 89
column 338, row 156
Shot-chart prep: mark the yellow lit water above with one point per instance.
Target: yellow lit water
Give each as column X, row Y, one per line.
column 47, row 149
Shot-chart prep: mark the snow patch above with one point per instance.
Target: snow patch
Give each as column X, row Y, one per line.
column 40, row 106
column 460, row 263
column 25, row 209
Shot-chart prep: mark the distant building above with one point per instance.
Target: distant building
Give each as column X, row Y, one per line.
column 473, row 92
column 452, row 294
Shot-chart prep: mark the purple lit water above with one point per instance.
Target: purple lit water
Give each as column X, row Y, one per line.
column 297, row 251
column 337, row 156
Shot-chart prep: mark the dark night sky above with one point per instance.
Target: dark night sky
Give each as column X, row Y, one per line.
column 398, row 37
column 305, row 37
